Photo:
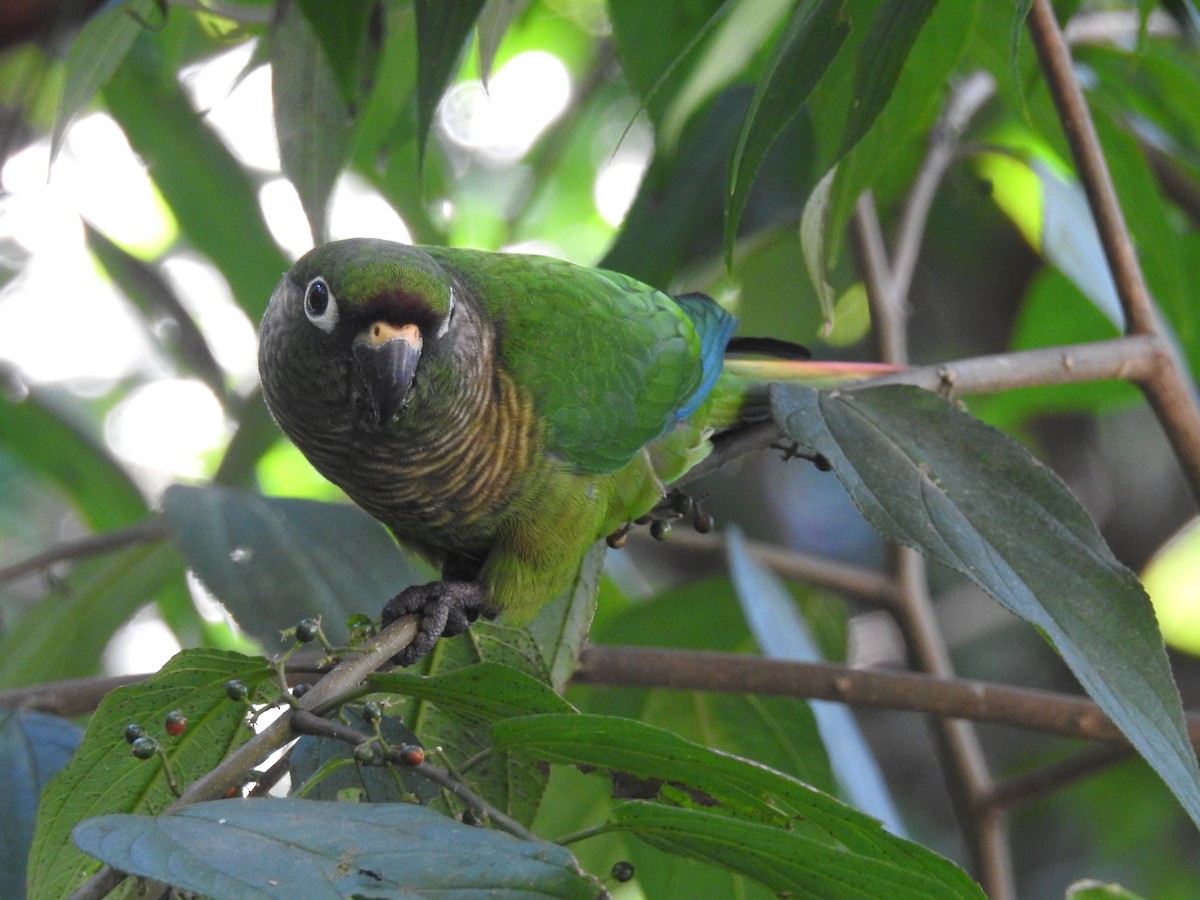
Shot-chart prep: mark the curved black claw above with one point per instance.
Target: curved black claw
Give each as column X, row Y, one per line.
column 446, row 608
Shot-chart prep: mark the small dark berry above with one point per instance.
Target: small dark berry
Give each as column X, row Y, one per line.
column 133, row 731
column 236, row 690
column 660, row 530
column 144, row 747
column 301, row 689
column 412, row 755
column 366, row 752
column 371, row 711
column 682, row 503
column 622, row 871
column 176, row 723
column 703, row 522
column 306, row 630
column 617, row 540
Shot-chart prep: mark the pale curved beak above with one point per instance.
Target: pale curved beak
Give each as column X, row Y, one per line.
column 386, row 356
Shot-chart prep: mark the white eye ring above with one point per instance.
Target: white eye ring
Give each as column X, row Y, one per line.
column 320, row 305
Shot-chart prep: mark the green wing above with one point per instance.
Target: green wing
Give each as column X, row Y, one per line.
column 608, row 360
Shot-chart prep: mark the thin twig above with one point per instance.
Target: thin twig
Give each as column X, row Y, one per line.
column 1021, row 789
column 1167, row 389
column 844, row 578
column 953, row 698
column 307, row 723
column 967, row 776
column 143, row 532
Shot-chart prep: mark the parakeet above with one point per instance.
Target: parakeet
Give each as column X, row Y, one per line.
column 499, row 413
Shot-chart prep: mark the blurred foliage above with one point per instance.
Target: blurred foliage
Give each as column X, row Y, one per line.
column 718, row 120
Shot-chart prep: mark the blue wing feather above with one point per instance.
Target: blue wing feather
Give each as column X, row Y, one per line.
column 715, row 327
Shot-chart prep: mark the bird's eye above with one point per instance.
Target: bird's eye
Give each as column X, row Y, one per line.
column 319, row 305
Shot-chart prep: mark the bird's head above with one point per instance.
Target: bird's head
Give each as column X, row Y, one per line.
column 360, row 320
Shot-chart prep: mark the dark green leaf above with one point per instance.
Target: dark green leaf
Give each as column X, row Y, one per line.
column 312, row 119
column 786, row 861
column 494, row 21
column 442, row 32
column 926, row 474
column 94, row 55
column 658, row 44
column 348, row 42
column 479, row 694
column 65, row 636
column 210, row 195
column 741, row 788
column 917, row 92
column 881, row 58
column 805, row 50
column 157, row 302
column 104, row 777
column 274, row 561
column 33, row 747
column 81, row 465
column 244, row 849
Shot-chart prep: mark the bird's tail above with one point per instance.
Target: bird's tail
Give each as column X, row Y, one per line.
column 742, row 393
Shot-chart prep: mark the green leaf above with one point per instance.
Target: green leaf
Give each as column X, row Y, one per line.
column 785, row 861
column 65, row 636
column 246, row 849
column 442, row 32
column 812, row 242
column 157, row 302
column 560, row 628
column 881, row 57
column 95, row 54
column 274, row 561
column 210, row 195
column 81, row 465
column 494, row 21
column 926, row 474
column 103, row 777
column 812, row 39
column 886, row 157
column 313, row 122
column 33, row 747
column 348, row 44
column 480, row 694
column 743, row 789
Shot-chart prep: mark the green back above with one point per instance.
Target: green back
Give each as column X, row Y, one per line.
column 608, row 360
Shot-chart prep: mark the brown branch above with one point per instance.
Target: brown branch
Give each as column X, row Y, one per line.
column 144, row 532
column 952, row 698
column 1167, row 388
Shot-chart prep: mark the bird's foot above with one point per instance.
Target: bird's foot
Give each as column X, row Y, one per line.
column 446, row 608
column 673, row 507
column 791, row 450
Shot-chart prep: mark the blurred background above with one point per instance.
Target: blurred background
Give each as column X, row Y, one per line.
column 163, row 163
